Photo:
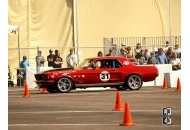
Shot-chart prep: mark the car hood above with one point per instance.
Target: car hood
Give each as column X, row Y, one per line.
column 54, row 70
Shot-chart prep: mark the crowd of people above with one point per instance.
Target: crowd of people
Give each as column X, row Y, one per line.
column 53, row 60
column 141, row 56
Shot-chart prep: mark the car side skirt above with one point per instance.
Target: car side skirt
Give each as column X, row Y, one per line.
column 99, row 84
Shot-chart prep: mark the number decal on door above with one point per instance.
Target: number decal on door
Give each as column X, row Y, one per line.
column 104, row 76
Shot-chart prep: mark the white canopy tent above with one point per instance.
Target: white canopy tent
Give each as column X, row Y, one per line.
column 15, row 29
column 12, row 28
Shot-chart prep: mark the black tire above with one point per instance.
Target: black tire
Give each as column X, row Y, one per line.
column 134, row 82
column 64, row 85
column 51, row 90
column 121, row 87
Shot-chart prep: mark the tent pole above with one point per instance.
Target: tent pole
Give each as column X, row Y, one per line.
column 170, row 27
column 77, row 31
column 18, row 49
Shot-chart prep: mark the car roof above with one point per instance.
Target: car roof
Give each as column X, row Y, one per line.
column 109, row 57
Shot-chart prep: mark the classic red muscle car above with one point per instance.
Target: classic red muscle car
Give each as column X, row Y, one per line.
column 108, row 71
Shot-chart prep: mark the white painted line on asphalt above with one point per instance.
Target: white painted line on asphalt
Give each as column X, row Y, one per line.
column 78, row 94
column 49, row 112
column 57, row 95
column 56, row 124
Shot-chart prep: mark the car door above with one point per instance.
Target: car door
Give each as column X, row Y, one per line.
column 116, row 71
column 104, row 75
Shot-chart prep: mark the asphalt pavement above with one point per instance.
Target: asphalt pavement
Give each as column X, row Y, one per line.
column 94, row 110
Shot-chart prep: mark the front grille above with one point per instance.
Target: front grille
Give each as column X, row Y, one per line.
column 38, row 77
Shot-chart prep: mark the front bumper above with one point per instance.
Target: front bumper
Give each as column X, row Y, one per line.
column 45, row 84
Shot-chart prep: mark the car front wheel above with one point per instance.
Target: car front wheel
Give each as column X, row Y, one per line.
column 64, row 85
column 134, row 82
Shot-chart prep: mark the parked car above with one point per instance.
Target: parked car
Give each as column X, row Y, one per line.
column 108, row 71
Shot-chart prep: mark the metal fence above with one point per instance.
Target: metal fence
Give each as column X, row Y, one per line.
column 150, row 43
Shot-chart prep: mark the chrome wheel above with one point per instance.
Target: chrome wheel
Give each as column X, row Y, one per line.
column 64, row 85
column 134, row 82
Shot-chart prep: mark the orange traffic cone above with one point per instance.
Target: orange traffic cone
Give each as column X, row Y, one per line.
column 26, row 92
column 178, row 88
column 165, row 86
column 127, row 120
column 44, row 90
column 118, row 104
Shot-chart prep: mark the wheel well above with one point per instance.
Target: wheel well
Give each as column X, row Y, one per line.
column 68, row 78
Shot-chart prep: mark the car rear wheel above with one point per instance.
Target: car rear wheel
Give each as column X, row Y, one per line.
column 64, row 85
column 134, row 82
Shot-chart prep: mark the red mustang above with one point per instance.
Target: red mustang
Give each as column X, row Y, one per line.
column 108, row 71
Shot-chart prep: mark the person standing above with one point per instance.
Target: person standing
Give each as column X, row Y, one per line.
column 39, row 60
column 100, row 54
column 71, row 59
column 50, row 58
column 110, row 53
column 122, row 53
column 23, row 65
column 57, row 60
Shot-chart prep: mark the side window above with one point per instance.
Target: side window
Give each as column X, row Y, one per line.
column 103, row 64
column 117, row 64
column 108, row 64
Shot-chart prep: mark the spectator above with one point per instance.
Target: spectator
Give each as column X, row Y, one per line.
column 110, row 53
column 165, row 48
column 122, row 52
column 71, row 59
column 98, row 63
column 123, row 45
column 115, row 49
column 152, row 59
column 23, row 65
column 20, row 78
column 176, row 63
column 146, row 54
column 177, row 50
column 10, row 82
column 40, row 59
column 130, row 55
column 169, row 54
column 138, row 48
column 9, row 73
column 50, row 58
column 161, row 57
column 100, row 54
column 140, row 56
column 57, row 60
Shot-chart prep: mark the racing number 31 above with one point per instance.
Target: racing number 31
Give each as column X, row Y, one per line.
column 104, row 76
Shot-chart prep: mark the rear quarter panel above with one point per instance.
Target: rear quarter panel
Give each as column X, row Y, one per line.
column 148, row 73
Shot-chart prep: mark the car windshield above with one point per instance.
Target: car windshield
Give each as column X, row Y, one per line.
column 85, row 63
